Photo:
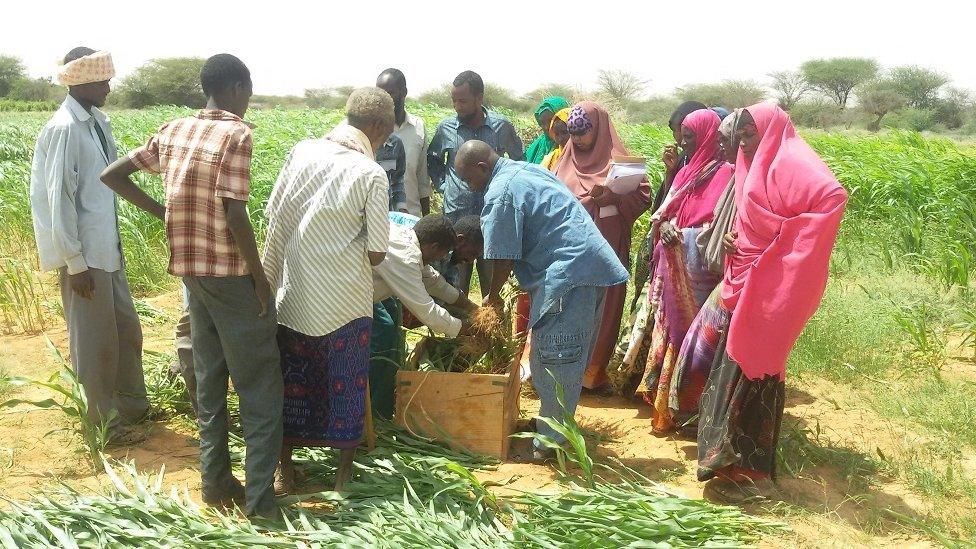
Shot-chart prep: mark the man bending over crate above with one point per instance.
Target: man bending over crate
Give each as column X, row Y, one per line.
column 407, row 274
column 535, row 227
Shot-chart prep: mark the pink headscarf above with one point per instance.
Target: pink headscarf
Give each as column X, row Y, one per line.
column 583, row 170
column 699, row 184
column 789, row 207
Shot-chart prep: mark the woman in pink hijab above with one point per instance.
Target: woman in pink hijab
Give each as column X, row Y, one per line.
column 681, row 281
column 789, row 207
column 583, row 168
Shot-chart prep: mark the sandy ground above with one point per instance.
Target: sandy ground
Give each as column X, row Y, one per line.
column 822, row 508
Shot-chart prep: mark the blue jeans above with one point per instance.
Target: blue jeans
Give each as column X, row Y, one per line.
column 562, row 342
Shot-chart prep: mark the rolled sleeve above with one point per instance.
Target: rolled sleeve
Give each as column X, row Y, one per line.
column 502, row 226
column 234, row 176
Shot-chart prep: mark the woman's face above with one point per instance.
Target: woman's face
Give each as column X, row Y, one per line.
column 727, row 144
column 676, row 133
column 748, row 135
column 559, row 133
column 688, row 141
column 544, row 119
column 585, row 141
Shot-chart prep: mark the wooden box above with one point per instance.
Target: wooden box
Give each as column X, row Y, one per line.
column 475, row 412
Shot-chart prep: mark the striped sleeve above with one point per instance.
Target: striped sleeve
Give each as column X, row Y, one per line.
column 377, row 213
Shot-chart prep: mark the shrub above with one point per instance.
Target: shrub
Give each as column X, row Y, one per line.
column 912, row 119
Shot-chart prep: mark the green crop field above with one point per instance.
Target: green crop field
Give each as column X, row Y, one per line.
column 897, row 328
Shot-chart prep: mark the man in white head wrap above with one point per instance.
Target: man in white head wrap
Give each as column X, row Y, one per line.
column 76, row 228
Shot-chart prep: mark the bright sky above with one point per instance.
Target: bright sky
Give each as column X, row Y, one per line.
column 290, row 45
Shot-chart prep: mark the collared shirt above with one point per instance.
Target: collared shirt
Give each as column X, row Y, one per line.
column 202, row 159
column 393, row 159
column 496, row 130
column 327, row 209
column 75, row 223
column 416, row 183
column 403, row 274
column 532, row 218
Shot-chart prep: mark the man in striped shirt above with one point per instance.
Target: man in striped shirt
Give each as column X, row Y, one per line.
column 327, row 225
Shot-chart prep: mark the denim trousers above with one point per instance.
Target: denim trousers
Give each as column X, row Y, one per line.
column 562, row 342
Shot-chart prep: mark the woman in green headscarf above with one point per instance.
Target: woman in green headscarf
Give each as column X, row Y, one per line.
column 544, row 144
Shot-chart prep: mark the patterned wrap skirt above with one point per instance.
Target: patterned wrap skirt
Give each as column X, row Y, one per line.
column 325, row 381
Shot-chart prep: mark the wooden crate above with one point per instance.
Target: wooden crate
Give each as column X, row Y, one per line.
column 475, row 412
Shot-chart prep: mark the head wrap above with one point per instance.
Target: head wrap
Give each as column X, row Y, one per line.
column 683, row 110
column 536, row 152
column 552, row 104
column 727, row 127
column 722, row 112
column 699, row 183
column 96, row 67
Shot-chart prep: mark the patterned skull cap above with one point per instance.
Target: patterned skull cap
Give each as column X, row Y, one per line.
column 578, row 123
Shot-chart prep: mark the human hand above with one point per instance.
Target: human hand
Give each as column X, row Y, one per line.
column 263, row 290
column 82, row 284
column 670, row 235
column 728, row 242
column 670, row 158
column 603, row 196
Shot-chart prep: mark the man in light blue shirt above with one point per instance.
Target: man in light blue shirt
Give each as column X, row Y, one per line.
column 77, row 233
column 534, row 226
column 473, row 121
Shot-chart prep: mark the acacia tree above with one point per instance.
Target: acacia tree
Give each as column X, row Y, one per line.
column 838, row 76
column 879, row 98
column 919, row 85
column 790, row 87
column 621, row 86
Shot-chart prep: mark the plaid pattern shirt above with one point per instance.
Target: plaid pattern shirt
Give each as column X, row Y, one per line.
column 202, row 159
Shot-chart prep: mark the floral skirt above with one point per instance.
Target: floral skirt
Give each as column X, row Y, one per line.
column 325, row 380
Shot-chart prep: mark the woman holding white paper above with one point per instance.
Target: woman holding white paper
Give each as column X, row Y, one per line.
column 584, row 168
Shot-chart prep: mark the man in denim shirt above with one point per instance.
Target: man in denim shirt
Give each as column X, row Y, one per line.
column 473, row 121
column 534, row 226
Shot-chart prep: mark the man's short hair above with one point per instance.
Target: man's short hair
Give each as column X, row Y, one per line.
column 395, row 75
column 473, row 80
column 368, row 106
column 436, row 229
column 470, row 227
column 221, row 72
column 77, row 53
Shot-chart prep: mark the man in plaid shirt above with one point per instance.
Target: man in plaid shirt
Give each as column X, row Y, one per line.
column 204, row 161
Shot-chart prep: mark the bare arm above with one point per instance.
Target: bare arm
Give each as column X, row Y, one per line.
column 501, row 270
column 240, row 227
column 118, row 178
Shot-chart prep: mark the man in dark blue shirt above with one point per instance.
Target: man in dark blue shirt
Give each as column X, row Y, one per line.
column 473, row 121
